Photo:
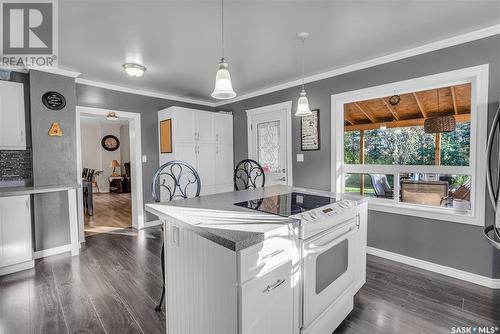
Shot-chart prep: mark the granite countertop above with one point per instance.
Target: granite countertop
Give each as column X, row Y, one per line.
column 216, row 218
column 22, row 190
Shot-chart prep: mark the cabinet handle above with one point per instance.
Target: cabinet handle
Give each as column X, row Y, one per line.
column 279, row 251
column 274, row 286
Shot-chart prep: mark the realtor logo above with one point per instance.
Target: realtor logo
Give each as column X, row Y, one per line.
column 28, row 33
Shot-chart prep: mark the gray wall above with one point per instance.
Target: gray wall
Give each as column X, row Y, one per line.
column 89, row 96
column 54, row 158
column 446, row 243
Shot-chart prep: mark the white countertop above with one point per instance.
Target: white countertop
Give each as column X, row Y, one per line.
column 216, row 218
column 21, row 190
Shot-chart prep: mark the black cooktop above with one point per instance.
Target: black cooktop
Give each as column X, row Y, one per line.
column 287, row 204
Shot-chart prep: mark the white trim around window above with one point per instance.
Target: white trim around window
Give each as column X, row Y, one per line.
column 478, row 77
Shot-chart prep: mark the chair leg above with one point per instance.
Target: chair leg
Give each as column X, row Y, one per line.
column 158, row 307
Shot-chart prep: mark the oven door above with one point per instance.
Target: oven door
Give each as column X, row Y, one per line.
column 328, row 262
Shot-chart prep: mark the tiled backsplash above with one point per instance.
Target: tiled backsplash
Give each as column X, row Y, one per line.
column 15, row 165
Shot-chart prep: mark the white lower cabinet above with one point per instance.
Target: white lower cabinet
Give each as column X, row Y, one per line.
column 267, row 303
column 15, row 234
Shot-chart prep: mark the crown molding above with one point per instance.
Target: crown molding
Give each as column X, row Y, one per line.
column 425, row 48
column 56, row 70
column 143, row 92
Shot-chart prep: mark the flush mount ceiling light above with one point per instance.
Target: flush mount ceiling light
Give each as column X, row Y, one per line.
column 134, row 70
column 303, row 103
column 111, row 116
column 223, row 87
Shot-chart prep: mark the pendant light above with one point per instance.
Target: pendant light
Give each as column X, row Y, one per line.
column 223, row 88
column 303, row 102
column 439, row 124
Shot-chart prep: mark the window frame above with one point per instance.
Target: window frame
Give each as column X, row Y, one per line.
column 478, row 77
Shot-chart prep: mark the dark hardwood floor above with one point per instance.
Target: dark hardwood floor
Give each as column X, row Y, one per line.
column 113, row 286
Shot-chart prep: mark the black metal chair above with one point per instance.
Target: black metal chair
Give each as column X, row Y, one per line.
column 178, row 180
column 248, row 174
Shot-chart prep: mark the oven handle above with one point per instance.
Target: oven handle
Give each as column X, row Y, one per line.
column 312, row 248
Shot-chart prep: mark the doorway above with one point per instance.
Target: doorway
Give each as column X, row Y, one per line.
column 270, row 141
column 109, row 163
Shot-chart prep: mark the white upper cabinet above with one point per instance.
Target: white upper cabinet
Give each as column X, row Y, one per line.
column 223, row 124
column 203, row 139
column 12, row 122
column 205, row 126
column 185, row 125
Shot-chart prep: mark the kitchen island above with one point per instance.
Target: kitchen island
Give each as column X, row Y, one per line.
column 240, row 269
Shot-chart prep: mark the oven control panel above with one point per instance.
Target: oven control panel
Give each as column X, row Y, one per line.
column 326, row 211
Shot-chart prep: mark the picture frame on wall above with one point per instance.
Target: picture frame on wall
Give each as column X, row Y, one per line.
column 309, row 132
column 166, row 136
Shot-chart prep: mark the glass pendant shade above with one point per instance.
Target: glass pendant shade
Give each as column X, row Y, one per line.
column 223, row 88
column 303, row 105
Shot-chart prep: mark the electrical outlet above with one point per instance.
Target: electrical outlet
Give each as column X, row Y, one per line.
column 300, row 157
column 144, row 158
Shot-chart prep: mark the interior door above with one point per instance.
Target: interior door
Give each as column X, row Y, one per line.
column 269, row 144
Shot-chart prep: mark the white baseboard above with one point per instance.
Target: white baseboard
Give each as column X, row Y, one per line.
column 52, row 251
column 493, row 283
column 151, row 223
column 17, row 267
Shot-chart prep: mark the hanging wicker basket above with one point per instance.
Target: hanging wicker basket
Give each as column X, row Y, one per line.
column 440, row 124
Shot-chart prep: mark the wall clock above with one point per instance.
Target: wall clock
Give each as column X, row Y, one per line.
column 53, row 100
column 110, row 143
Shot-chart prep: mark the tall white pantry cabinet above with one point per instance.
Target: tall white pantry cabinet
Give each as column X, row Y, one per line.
column 203, row 139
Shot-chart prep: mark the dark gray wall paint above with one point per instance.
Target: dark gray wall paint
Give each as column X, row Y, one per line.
column 89, row 96
column 450, row 244
column 54, row 158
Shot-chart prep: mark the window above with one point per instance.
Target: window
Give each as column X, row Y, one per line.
column 403, row 152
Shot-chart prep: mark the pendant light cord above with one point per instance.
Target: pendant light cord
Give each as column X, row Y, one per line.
column 222, row 26
column 303, row 47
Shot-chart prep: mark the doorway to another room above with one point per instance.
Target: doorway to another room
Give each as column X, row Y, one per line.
column 111, row 186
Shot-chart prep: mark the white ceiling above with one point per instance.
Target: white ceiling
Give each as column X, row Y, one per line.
column 179, row 41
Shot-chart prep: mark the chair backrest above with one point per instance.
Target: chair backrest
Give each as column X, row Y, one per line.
column 90, row 175
column 377, row 184
column 84, row 173
column 177, row 179
column 248, row 174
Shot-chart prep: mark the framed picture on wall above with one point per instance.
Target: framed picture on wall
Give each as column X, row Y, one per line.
column 166, row 136
column 309, row 132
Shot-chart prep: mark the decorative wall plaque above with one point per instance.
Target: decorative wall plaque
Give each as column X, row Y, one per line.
column 309, row 131
column 53, row 100
column 55, row 130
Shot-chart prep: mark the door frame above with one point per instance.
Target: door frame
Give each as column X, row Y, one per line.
column 287, row 113
column 134, row 120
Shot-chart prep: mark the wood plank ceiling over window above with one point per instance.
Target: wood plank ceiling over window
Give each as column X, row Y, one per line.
column 412, row 109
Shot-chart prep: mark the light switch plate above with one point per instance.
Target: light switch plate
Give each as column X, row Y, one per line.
column 300, row 157
column 144, row 158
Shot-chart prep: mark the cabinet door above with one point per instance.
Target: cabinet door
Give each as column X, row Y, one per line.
column 15, row 230
column 223, row 124
column 267, row 303
column 12, row 123
column 224, row 164
column 206, row 164
column 205, row 126
column 184, row 125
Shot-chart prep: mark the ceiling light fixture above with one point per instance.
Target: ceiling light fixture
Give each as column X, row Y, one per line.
column 111, row 116
column 134, row 70
column 383, row 126
column 303, row 103
column 223, row 87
